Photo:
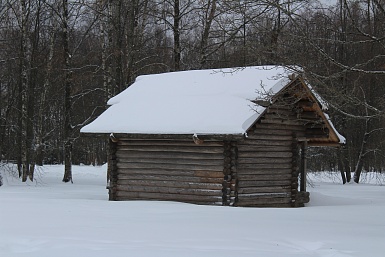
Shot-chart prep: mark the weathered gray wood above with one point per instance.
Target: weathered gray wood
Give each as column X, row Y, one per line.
column 281, row 122
column 187, row 149
column 121, row 165
column 249, row 149
column 189, row 143
column 270, row 131
column 266, row 126
column 263, row 171
column 180, row 184
column 264, row 195
column 269, row 137
column 264, row 166
column 244, row 161
column 265, row 177
column 169, row 197
column 171, row 161
column 255, row 201
column 276, row 189
column 176, row 155
column 252, row 183
column 266, row 154
column 170, row 190
column 168, row 172
column 176, row 179
column 251, row 145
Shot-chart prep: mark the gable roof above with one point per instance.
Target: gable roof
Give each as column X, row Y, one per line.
column 191, row 102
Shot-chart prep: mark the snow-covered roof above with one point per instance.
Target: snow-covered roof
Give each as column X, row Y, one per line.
column 191, row 102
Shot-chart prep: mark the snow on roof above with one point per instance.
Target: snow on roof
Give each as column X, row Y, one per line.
column 191, row 102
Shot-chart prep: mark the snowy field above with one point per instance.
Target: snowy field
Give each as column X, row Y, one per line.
column 48, row 218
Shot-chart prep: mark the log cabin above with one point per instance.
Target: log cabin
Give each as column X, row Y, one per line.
column 231, row 137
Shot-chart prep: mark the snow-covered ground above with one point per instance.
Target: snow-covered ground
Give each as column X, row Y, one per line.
column 48, row 218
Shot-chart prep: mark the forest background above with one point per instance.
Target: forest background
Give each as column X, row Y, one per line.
column 60, row 61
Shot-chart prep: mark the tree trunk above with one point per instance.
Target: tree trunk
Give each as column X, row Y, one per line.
column 209, row 17
column 24, row 93
column 176, row 31
column 67, row 99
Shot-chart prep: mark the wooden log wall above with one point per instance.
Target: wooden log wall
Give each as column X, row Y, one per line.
column 267, row 160
column 230, row 153
column 112, row 176
column 173, row 170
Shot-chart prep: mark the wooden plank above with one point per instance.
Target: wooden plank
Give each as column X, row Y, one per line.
column 271, row 131
column 268, row 137
column 168, row 197
column 251, row 183
column 266, row 126
column 262, row 201
column 263, row 171
column 245, row 149
column 195, row 173
column 170, row 190
column 276, row 189
column 282, row 122
column 270, row 177
column 186, row 149
column 265, row 154
column 250, row 145
column 176, row 179
column 162, row 154
column 132, row 142
column 265, row 166
column 264, row 195
column 180, row 184
column 244, row 161
column 265, row 204
column 171, row 161
column 169, row 166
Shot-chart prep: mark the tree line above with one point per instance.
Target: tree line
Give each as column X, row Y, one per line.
column 61, row 60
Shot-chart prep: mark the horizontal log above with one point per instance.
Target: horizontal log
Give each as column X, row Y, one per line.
column 180, row 149
column 259, row 131
column 176, row 155
column 248, row 149
column 309, row 115
column 279, row 109
column 179, row 184
column 169, row 166
column 266, row 154
column 270, row 137
column 169, row 190
column 176, row 179
column 195, row 173
column 270, row 177
column 170, row 161
column 251, row 183
column 264, row 171
column 261, row 160
column 123, row 195
column 264, row 166
column 125, row 142
column 264, row 195
column 256, row 201
column 249, row 144
column 282, row 122
column 276, row 189
column 258, row 205
column 266, row 126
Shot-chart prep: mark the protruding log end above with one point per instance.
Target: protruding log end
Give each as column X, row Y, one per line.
column 113, row 138
column 197, row 140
